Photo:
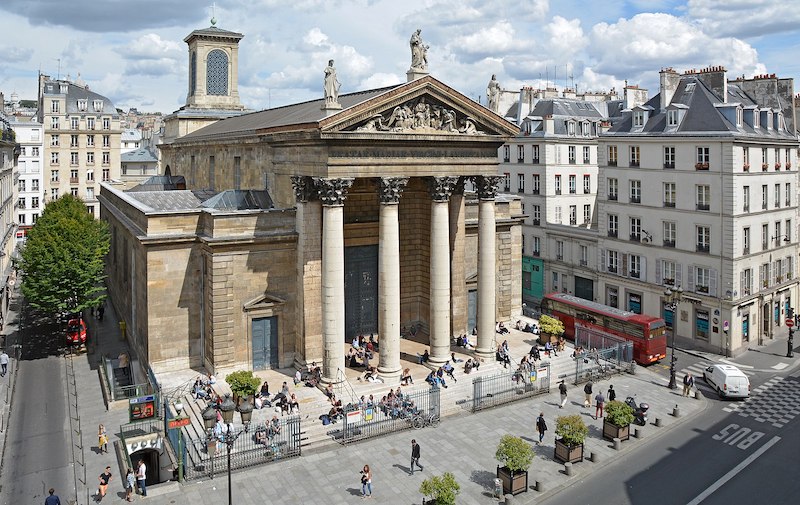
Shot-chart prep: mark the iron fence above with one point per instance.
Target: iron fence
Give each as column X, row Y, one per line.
column 259, row 444
column 605, row 355
column 417, row 409
column 504, row 387
column 118, row 379
column 137, row 429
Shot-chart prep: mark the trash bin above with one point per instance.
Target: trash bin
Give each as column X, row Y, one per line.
column 498, row 488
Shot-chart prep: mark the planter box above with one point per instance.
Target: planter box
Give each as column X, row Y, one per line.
column 612, row 431
column 514, row 483
column 568, row 454
column 547, row 337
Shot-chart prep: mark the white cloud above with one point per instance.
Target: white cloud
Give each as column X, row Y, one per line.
column 744, row 18
column 492, row 40
column 151, row 46
column 14, row 54
column 566, row 38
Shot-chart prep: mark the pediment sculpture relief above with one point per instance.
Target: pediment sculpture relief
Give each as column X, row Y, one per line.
column 419, row 116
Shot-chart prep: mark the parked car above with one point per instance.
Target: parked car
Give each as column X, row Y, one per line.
column 77, row 331
column 729, row 381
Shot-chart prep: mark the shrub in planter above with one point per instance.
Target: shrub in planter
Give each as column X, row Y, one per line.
column 571, row 432
column 549, row 325
column 619, row 417
column 243, row 383
column 442, row 489
column 516, row 456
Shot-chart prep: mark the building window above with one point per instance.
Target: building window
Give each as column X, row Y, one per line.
column 612, row 156
column 73, row 176
column 746, row 198
column 53, row 193
column 54, row 106
column 537, row 215
column 21, row 186
column 669, row 157
column 506, row 153
column 703, row 239
column 34, row 151
column 97, row 105
column 788, row 237
column 587, row 213
column 520, row 154
column 584, row 256
column 638, row 119
column 90, row 176
column 703, row 155
column 746, row 158
column 106, row 158
column 558, row 184
column 788, row 194
column 54, row 158
column 90, row 158
column 613, row 188
column 703, row 197
column 535, row 153
column 573, row 183
column 672, row 117
column 506, row 182
column 73, row 159
column 34, row 184
column 35, row 202
column 520, row 183
column 537, row 246
column 74, row 192
column 571, row 127
column 636, row 191
column 74, row 123
column 237, row 174
column 777, row 196
column 670, row 233
column 106, row 175
column 106, row 123
column 217, row 73
column 536, row 184
column 669, row 194
column 558, row 215
column 573, row 215
column 764, row 197
column 21, row 203
column 587, row 155
column 635, row 266
column 635, row 156
column 571, row 154
column 613, row 262
column 764, row 157
column 636, row 229
column 106, row 140
column 739, row 116
column 54, row 140
column 746, row 240
column 613, row 225
column 90, row 123
column 702, row 282
column 778, row 234
column 90, row 193
column 54, row 123
column 746, row 282
column 612, row 296
column 83, row 105
column 54, row 174
column 21, row 219
column 764, row 237
column 669, row 272
column 587, row 184
column 559, row 250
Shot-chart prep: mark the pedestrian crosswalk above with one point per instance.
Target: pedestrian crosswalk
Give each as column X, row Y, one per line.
column 699, row 367
column 775, row 402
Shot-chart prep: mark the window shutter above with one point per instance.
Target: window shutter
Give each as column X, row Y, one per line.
column 712, row 283
column 678, row 272
column 643, row 273
column 623, row 268
column 691, row 278
column 603, row 264
column 658, row 271
column 742, row 288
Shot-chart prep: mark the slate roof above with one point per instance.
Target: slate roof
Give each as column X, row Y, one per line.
column 702, row 114
column 295, row 114
column 141, row 155
column 563, row 109
column 213, row 31
column 131, row 134
column 250, row 199
column 164, row 182
column 166, row 200
column 75, row 93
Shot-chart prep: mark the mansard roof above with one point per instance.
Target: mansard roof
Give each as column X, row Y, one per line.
column 76, row 92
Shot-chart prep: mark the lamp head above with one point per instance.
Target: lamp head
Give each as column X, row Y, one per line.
column 178, row 406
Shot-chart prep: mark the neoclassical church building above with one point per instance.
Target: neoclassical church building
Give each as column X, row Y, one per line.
column 302, row 226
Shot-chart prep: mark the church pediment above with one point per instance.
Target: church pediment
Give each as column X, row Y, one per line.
column 421, row 107
column 265, row 301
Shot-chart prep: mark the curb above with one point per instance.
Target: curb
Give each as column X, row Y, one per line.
column 538, row 497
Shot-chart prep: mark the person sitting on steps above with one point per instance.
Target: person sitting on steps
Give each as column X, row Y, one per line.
column 406, row 377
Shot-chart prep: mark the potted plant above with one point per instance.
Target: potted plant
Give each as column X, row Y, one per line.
column 516, row 456
column 619, row 416
column 442, row 489
column 243, row 384
column 551, row 328
column 571, row 432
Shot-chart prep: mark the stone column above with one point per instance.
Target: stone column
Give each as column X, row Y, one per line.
column 389, row 277
column 440, row 188
column 332, row 193
column 487, row 268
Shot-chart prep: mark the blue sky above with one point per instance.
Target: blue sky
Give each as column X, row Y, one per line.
column 133, row 52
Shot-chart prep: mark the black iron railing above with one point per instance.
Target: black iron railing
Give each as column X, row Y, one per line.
column 504, row 387
column 372, row 420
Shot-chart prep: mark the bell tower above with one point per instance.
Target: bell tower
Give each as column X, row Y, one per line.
column 213, row 69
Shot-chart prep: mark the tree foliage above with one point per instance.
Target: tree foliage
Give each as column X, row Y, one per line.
column 514, row 453
column 63, row 258
column 443, row 489
column 551, row 325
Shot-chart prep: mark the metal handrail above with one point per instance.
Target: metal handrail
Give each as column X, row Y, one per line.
column 343, row 383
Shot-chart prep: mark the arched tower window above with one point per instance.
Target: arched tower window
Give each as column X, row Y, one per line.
column 193, row 73
column 217, row 73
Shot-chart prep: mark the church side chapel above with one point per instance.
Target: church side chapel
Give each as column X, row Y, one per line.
column 277, row 236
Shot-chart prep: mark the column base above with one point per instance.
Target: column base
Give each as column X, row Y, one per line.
column 389, row 374
column 485, row 353
column 329, row 380
column 435, row 363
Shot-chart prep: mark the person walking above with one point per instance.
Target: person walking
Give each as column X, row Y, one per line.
column 415, row 456
column 53, row 499
column 587, row 391
column 3, row 363
column 104, row 479
column 541, row 426
column 688, row 383
column 562, row 388
column 130, row 484
column 612, row 395
column 102, row 439
column 366, row 482
column 141, row 477
column 600, row 401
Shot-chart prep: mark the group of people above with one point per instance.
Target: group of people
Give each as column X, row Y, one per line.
column 267, row 432
column 502, row 354
column 361, row 351
column 203, row 390
column 527, row 327
column 436, row 377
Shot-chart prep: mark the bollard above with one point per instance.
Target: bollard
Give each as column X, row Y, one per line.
column 638, row 433
column 658, row 422
column 698, row 395
column 539, row 486
column 676, row 412
column 509, row 499
column 617, row 444
column 595, row 457
column 568, row 469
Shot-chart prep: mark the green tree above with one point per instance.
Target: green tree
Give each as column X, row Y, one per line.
column 443, row 489
column 62, row 260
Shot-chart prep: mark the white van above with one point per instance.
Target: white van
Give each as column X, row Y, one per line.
column 729, row 381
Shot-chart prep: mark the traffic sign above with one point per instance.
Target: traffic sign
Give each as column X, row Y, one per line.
column 790, row 322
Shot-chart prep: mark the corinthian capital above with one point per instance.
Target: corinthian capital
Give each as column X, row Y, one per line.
column 442, row 187
column 332, row 192
column 392, row 188
column 487, row 186
column 303, row 187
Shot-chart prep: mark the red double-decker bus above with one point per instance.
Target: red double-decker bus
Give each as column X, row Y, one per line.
column 647, row 333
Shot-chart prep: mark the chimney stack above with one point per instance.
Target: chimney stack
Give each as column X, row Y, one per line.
column 669, row 80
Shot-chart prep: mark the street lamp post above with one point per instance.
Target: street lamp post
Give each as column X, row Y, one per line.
column 178, row 409
column 227, row 409
column 673, row 299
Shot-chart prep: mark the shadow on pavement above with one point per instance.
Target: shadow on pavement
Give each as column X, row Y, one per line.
column 42, row 337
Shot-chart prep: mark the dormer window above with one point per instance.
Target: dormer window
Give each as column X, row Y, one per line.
column 63, row 89
column 769, row 120
column 586, row 129
column 739, row 116
column 97, row 105
column 82, row 105
column 638, row 118
column 672, row 117
column 779, row 121
column 571, row 127
column 49, row 88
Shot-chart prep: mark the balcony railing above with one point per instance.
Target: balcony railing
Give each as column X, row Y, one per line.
column 558, row 191
column 701, row 289
column 612, row 269
column 536, row 253
column 669, row 243
column 612, row 163
column 633, row 163
column 669, row 204
column 573, row 221
column 559, row 257
column 535, row 192
column 703, row 248
column 506, row 159
column 584, row 263
column 520, row 160
column 636, row 237
column 537, row 222
column 73, row 180
column 586, row 191
column 635, row 274
column 613, row 197
column 612, row 233
column 669, row 164
column 701, row 166
column 535, row 161
column 636, row 199
column 572, row 161
column 703, row 206
column 745, row 250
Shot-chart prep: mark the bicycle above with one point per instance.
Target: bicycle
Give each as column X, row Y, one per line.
column 419, row 421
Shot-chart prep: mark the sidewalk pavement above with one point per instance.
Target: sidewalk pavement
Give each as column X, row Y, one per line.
column 9, row 339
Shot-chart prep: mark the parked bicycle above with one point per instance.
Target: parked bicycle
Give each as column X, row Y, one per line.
column 419, row 421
